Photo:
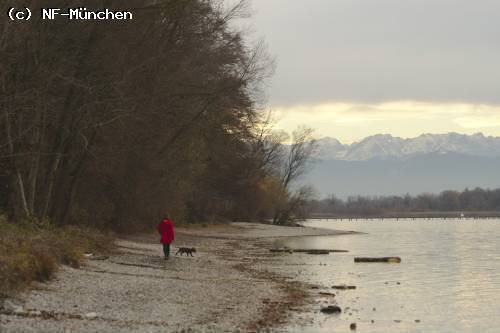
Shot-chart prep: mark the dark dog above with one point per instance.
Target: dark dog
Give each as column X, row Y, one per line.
column 186, row 250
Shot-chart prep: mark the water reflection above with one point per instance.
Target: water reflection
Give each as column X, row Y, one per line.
column 448, row 280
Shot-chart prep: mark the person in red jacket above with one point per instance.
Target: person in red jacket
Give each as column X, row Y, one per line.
column 166, row 230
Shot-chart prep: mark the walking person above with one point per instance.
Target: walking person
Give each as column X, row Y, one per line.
column 166, row 230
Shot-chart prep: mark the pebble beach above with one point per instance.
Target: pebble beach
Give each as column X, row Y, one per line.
column 226, row 286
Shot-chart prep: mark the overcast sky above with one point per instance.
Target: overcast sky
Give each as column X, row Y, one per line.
column 353, row 68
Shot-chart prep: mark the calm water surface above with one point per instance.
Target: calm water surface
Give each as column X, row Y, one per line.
column 448, row 281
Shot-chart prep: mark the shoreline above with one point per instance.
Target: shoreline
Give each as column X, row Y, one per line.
column 226, row 286
column 408, row 215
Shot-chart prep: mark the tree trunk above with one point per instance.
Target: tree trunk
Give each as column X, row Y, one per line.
column 21, row 195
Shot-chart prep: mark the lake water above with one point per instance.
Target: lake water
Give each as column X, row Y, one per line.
column 448, row 280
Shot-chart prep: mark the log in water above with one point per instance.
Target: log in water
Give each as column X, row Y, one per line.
column 344, row 287
column 309, row 251
column 379, row 259
column 317, row 252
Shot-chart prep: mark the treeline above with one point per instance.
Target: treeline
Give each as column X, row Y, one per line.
column 447, row 201
column 115, row 123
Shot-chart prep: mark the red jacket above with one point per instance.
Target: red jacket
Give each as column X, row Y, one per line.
column 166, row 230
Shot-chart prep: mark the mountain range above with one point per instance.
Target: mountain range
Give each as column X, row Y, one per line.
column 385, row 165
column 387, row 146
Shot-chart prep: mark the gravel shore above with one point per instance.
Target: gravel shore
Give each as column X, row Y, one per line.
column 224, row 287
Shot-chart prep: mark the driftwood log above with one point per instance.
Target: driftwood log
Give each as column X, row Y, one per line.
column 308, row 251
column 344, row 287
column 380, row 259
column 326, row 294
column 281, row 250
column 317, row 252
column 331, row 309
column 321, row 250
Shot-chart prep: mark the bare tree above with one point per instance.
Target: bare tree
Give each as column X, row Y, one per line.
column 297, row 157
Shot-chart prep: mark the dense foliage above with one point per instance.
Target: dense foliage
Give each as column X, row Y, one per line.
column 114, row 123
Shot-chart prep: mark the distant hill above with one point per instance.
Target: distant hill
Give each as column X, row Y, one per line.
column 386, row 165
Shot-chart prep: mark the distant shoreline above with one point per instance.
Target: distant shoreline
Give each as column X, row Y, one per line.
column 405, row 215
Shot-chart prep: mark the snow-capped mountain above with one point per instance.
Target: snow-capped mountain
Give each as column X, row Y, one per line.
column 387, row 146
column 386, row 165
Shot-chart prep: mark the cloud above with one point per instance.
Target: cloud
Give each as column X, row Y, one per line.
column 478, row 122
column 352, row 121
column 353, row 68
column 376, row 51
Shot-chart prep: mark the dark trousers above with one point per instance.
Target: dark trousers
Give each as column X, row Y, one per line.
column 166, row 250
